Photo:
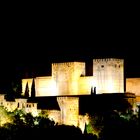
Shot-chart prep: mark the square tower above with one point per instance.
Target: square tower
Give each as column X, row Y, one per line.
column 66, row 76
column 108, row 75
column 69, row 107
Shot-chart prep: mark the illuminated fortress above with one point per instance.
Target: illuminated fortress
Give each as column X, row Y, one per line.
column 70, row 79
column 68, row 89
column 68, row 83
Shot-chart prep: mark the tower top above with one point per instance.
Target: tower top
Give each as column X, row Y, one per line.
column 108, row 59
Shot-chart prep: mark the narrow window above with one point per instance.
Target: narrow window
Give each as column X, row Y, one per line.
column 102, row 66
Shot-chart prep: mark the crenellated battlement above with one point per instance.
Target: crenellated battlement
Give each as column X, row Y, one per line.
column 57, row 67
column 114, row 63
column 106, row 60
column 66, row 64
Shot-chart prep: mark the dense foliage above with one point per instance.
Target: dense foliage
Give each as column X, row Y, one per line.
column 25, row 126
column 109, row 125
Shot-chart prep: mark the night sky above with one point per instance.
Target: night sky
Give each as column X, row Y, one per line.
column 29, row 44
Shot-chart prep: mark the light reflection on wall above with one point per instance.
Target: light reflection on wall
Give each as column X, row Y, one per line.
column 110, row 87
column 85, row 84
column 45, row 86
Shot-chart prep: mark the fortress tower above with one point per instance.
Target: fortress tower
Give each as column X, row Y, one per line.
column 69, row 110
column 66, row 76
column 108, row 75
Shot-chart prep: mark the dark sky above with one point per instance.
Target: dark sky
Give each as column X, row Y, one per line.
column 31, row 41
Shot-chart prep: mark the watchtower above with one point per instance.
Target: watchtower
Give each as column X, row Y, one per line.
column 66, row 76
column 108, row 75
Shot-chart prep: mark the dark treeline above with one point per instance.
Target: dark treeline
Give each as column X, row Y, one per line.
column 23, row 126
column 110, row 125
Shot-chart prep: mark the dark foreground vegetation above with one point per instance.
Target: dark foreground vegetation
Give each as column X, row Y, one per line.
column 110, row 125
column 23, row 126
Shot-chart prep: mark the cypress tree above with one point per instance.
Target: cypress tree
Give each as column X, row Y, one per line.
column 33, row 89
column 26, row 90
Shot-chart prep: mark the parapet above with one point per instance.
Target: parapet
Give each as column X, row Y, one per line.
column 63, row 64
column 108, row 60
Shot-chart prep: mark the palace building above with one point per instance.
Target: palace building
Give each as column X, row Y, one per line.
column 68, row 95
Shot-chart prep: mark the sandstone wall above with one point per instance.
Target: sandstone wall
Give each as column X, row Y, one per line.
column 109, row 75
column 85, row 84
column 45, row 86
column 69, row 107
column 133, row 85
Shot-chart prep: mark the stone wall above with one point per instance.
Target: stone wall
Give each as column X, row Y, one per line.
column 85, row 84
column 133, row 85
column 54, row 115
column 69, row 79
column 109, row 75
column 45, row 86
column 69, row 107
column 19, row 103
column 66, row 76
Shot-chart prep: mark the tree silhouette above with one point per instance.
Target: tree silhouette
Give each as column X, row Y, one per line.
column 93, row 90
column 33, row 89
column 26, row 90
column 85, row 130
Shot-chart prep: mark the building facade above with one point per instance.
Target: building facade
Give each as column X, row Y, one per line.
column 68, row 83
